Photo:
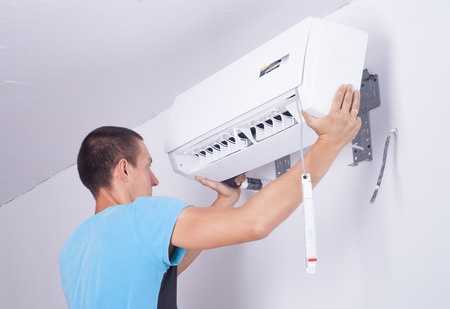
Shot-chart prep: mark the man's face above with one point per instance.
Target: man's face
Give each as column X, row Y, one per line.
column 143, row 179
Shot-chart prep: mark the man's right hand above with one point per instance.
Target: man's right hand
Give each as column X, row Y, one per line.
column 226, row 195
column 342, row 123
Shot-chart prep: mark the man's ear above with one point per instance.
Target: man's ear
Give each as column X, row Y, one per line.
column 121, row 170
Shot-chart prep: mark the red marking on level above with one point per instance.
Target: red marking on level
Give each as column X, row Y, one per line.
column 312, row 260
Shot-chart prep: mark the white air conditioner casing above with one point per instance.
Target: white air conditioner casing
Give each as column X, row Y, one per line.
column 247, row 114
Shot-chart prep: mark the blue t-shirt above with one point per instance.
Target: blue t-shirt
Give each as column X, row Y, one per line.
column 117, row 258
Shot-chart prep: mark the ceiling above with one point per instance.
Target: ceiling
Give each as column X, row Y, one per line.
column 69, row 66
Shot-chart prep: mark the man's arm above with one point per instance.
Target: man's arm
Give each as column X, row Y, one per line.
column 226, row 197
column 202, row 228
column 189, row 257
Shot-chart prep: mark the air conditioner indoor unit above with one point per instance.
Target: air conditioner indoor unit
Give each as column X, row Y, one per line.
column 247, row 114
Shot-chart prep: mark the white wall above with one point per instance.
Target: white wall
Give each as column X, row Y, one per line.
column 391, row 254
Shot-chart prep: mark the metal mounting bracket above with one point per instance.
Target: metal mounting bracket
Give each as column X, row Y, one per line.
column 370, row 98
column 282, row 165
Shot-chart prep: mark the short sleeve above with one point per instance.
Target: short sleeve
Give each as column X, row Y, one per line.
column 154, row 219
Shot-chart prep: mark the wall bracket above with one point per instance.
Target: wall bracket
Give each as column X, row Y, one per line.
column 370, row 99
column 282, row 165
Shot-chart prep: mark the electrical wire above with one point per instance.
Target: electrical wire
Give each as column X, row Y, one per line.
column 383, row 164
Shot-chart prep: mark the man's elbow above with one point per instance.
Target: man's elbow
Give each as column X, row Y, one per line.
column 261, row 229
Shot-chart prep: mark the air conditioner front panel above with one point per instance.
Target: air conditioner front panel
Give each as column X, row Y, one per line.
column 335, row 56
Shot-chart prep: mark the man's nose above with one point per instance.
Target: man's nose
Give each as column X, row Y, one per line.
column 155, row 180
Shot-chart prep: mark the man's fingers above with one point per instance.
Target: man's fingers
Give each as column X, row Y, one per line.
column 309, row 119
column 348, row 99
column 240, row 179
column 338, row 98
column 356, row 101
column 206, row 182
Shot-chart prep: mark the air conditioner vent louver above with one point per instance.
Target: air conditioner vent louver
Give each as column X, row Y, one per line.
column 240, row 136
column 272, row 124
column 236, row 140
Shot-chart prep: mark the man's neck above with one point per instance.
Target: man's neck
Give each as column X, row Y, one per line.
column 107, row 198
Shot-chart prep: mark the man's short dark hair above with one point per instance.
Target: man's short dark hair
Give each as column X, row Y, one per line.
column 100, row 152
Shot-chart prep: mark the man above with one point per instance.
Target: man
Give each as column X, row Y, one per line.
column 117, row 258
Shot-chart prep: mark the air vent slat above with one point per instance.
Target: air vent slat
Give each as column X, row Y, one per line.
column 243, row 135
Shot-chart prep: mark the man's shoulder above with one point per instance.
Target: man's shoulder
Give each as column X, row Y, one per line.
column 158, row 200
